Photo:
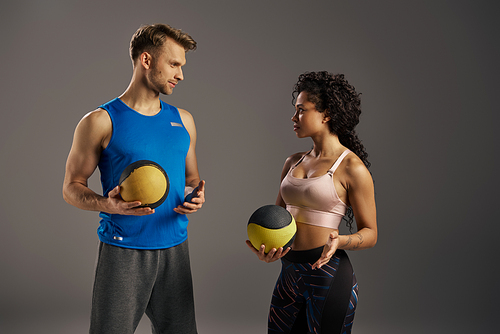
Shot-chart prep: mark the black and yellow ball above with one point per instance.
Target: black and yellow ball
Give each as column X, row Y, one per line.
column 273, row 226
column 144, row 181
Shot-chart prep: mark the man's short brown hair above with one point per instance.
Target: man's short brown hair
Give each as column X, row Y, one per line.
column 151, row 37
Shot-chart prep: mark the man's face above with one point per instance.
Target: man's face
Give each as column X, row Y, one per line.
column 166, row 67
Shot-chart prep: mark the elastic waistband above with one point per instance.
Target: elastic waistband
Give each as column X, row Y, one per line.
column 330, row 219
column 309, row 256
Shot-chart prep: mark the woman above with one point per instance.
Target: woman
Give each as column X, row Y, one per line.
column 316, row 291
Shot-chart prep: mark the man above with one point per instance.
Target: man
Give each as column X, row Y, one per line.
column 143, row 260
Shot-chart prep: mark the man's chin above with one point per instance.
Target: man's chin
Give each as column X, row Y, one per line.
column 167, row 91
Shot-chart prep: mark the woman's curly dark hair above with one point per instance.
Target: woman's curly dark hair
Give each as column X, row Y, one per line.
column 333, row 95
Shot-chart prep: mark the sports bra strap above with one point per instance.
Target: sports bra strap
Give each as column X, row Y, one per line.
column 300, row 160
column 338, row 162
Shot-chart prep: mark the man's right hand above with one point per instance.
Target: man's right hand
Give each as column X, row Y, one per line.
column 118, row 206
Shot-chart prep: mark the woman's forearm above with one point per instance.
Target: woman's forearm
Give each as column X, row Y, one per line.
column 363, row 239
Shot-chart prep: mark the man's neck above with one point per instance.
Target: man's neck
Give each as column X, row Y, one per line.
column 141, row 99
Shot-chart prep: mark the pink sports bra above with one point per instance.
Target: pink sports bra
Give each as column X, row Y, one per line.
column 314, row 200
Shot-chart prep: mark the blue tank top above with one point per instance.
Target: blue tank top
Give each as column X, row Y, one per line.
column 163, row 139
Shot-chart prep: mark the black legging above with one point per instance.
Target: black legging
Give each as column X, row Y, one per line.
column 313, row 301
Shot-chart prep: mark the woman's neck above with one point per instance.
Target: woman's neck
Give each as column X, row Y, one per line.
column 327, row 146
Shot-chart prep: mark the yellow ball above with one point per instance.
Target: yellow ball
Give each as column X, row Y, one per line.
column 144, row 181
column 273, row 226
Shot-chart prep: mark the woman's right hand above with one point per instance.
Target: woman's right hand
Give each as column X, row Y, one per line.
column 273, row 255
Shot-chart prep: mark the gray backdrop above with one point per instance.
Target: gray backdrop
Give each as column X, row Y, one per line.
column 427, row 71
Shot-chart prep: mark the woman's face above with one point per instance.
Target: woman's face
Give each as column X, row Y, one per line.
column 307, row 121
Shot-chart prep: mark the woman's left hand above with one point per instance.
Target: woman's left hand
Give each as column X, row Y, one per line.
column 328, row 250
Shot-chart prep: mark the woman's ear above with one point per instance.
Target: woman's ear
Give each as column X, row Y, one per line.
column 326, row 117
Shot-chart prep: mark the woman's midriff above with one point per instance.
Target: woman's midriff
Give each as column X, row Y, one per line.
column 310, row 236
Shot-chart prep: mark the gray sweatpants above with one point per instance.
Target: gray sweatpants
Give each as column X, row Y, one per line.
column 131, row 282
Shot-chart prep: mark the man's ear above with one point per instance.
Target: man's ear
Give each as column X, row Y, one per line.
column 145, row 60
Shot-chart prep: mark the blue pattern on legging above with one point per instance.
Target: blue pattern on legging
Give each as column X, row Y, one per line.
column 299, row 285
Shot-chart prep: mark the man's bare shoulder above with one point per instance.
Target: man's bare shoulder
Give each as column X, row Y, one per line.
column 98, row 115
column 187, row 120
column 95, row 126
column 185, row 114
column 96, row 119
